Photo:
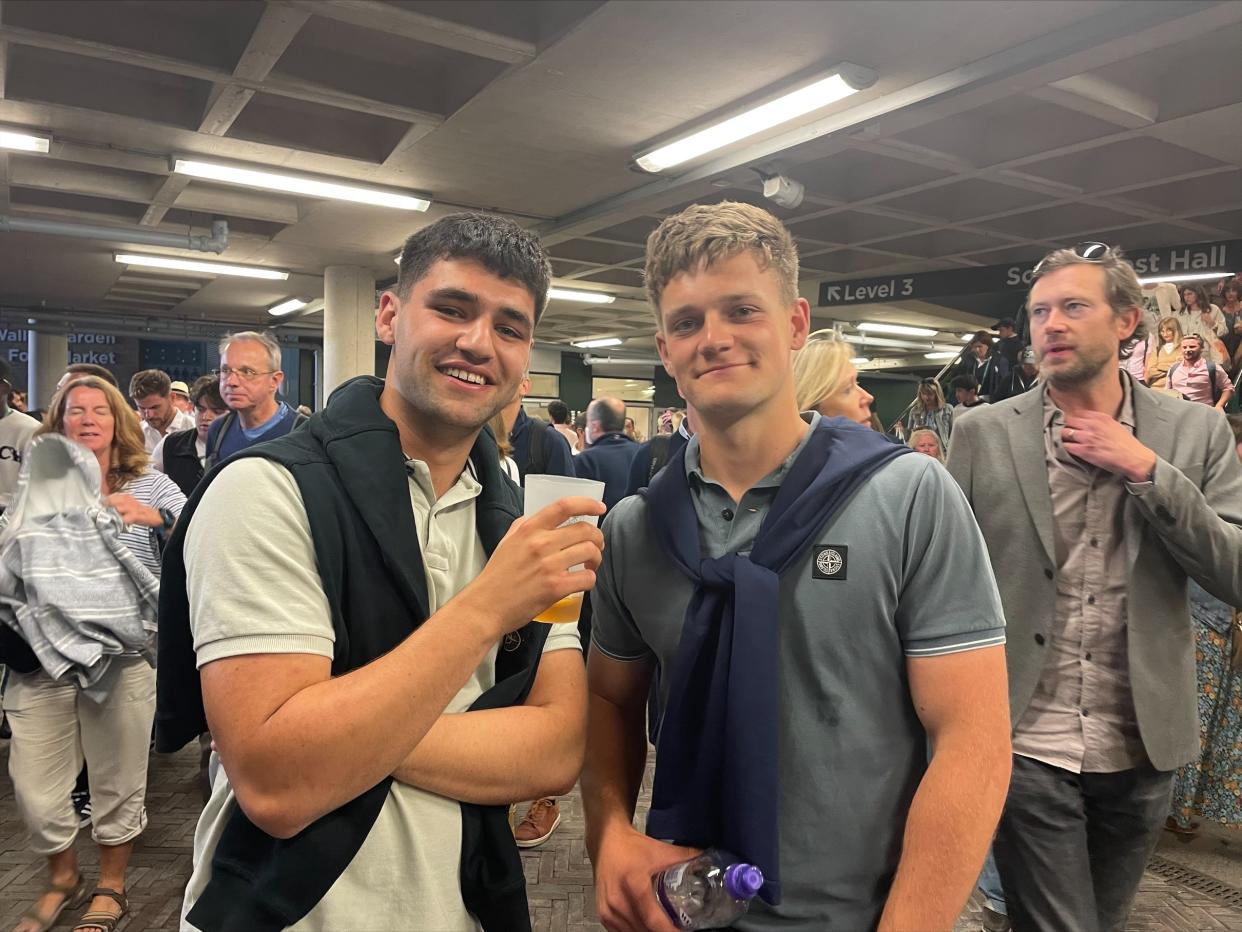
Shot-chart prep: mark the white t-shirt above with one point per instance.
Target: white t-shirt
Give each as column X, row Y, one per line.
column 157, row 455
column 152, row 437
column 16, row 429
column 253, row 588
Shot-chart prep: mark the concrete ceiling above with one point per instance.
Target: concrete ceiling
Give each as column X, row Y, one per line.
column 994, row 131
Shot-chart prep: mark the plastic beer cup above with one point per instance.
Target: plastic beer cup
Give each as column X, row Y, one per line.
column 541, row 491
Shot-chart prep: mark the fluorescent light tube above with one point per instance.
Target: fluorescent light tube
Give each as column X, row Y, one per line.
column 758, row 119
column 967, row 337
column 859, row 360
column 898, row 329
column 942, row 355
column 286, row 307
column 597, row 344
column 210, row 268
column 588, row 297
column 1198, row 276
column 24, row 142
column 298, row 184
column 618, row 361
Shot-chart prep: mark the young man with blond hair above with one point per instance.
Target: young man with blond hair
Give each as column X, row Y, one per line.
column 818, row 607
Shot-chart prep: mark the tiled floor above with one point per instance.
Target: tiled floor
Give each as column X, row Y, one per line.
column 561, row 894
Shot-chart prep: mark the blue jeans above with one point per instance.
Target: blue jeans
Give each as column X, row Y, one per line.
column 990, row 886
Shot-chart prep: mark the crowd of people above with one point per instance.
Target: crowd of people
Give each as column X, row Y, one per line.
column 883, row 679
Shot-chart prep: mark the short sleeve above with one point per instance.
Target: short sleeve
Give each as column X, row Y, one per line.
column 252, row 577
column 164, row 493
column 613, row 629
column 563, row 637
column 949, row 601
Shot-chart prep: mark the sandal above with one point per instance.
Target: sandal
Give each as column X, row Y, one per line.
column 106, row 921
column 75, row 896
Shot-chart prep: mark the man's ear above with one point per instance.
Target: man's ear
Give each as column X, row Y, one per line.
column 801, row 322
column 386, row 318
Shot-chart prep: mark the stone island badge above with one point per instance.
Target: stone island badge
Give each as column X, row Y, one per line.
column 830, row 562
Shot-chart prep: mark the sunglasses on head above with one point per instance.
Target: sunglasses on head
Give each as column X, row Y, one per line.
column 1088, row 252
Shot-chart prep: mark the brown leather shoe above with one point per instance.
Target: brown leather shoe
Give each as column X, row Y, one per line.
column 540, row 821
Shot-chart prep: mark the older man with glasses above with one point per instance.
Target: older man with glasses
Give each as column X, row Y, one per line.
column 250, row 379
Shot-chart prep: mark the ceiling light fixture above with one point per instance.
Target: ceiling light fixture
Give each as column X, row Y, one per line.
column 845, row 80
column 588, row 297
column 599, row 344
column 941, row 355
column 860, row 360
column 967, row 337
column 1196, row 277
column 297, row 184
column 898, row 329
column 191, row 265
column 287, row 307
column 24, row 141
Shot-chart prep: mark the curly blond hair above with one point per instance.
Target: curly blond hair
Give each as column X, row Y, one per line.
column 704, row 234
column 128, row 459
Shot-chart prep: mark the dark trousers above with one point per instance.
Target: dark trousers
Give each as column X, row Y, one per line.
column 1071, row 848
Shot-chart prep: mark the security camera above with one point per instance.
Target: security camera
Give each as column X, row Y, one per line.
column 782, row 191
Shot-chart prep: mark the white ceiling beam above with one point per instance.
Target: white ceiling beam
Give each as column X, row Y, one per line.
column 1099, row 98
column 277, row 27
column 292, row 88
column 420, row 27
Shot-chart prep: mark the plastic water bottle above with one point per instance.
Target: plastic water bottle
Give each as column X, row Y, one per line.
column 707, row 892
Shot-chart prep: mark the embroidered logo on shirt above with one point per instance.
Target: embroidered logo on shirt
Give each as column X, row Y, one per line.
column 830, row 562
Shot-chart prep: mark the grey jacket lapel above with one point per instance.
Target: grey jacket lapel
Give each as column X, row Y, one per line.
column 1026, row 443
column 1150, row 419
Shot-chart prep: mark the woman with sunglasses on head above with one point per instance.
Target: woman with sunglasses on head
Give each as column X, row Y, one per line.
column 826, row 381
column 930, row 411
column 58, row 723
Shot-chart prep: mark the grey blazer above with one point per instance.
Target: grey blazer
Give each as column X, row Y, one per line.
column 1189, row 524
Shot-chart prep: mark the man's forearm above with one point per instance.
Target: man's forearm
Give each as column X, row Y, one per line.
column 615, row 758
column 336, row 738
column 948, row 830
column 498, row 756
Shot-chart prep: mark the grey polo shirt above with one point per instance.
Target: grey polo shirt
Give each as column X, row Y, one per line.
column 910, row 578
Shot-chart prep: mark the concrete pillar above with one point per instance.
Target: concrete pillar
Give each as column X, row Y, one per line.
column 48, row 356
column 348, row 324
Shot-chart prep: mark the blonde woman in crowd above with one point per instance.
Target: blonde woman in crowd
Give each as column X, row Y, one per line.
column 55, row 726
column 930, row 410
column 927, row 441
column 826, row 381
column 1166, row 352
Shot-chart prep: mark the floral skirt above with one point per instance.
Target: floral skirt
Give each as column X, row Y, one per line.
column 1211, row 787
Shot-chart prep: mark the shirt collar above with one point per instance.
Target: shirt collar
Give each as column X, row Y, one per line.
column 1054, row 417
column 466, row 487
column 694, row 466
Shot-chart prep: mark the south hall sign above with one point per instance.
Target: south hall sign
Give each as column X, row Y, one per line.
column 1225, row 256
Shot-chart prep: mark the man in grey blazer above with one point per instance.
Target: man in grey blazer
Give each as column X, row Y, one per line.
column 1098, row 499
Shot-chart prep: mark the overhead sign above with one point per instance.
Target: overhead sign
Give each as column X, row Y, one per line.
column 1223, row 256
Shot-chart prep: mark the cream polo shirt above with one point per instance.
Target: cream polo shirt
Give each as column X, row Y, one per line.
column 254, row 588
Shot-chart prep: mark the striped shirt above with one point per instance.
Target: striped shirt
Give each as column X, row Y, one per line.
column 158, row 491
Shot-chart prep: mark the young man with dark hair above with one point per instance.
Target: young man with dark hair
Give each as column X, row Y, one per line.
column 150, row 390
column 822, row 613
column 965, row 390
column 356, row 598
column 183, row 456
column 1124, row 495
column 558, row 412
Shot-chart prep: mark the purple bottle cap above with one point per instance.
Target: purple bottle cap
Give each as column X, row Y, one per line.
column 743, row 881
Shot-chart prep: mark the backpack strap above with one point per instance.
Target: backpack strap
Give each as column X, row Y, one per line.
column 536, row 462
column 214, row 441
column 660, row 444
